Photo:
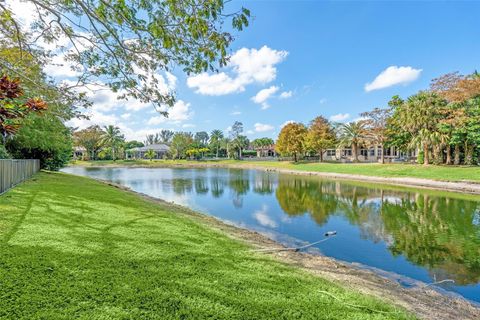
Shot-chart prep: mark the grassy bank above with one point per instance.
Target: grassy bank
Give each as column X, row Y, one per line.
column 71, row 247
column 445, row 173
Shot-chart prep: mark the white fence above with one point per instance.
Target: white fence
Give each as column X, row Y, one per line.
column 12, row 172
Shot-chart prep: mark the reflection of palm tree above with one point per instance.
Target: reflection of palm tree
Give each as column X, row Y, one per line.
column 263, row 183
column 201, row 186
column 217, row 186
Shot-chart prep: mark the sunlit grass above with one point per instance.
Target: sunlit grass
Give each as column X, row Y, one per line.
column 74, row 248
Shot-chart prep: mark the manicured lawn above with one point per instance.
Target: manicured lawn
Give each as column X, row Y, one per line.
column 74, row 248
column 447, row 173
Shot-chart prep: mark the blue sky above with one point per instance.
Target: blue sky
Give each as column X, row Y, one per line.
column 320, row 56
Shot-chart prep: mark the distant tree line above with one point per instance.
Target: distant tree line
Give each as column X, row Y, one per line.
column 442, row 124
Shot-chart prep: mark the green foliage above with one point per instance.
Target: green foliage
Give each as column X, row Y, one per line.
column 122, row 43
column 150, row 154
column 113, row 138
column 43, row 137
column 91, row 139
column 262, row 142
column 216, row 137
column 181, row 141
column 133, row 144
column 4, row 153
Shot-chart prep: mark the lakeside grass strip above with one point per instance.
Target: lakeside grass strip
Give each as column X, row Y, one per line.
column 397, row 170
column 76, row 248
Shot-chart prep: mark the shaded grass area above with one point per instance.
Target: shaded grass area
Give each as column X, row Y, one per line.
column 71, row 247
column 433, row 172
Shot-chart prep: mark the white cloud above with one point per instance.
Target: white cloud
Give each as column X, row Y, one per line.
column 188, row 125
column 286, row 94
column 286, row 122
column 340, row 117
column 179, row 112
column 263, row 219
column 263, row 95
column 94, row 118
column 236, row 113
column 393, row 75
column 126, row 116
column 246, row 66
column 261, row 127
column 250, row 132
column 323, row 100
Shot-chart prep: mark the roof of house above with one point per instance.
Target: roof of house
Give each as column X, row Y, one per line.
column 154, row 147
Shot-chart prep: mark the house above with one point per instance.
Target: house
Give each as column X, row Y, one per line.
column 139, row 153
column 266, row 151
column 80, row 153
column 369, row 154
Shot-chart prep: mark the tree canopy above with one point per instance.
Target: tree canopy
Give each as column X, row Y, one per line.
column 125, row 45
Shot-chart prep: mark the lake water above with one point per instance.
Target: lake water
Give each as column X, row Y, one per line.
column 418, row 234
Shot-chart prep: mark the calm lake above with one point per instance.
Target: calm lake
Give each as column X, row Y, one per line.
column 417, row 234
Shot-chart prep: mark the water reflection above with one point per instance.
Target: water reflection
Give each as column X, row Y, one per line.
column 421, row 234
column 431, row 231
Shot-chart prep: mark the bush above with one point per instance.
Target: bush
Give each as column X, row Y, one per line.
column 420, row 158
column 4, row 153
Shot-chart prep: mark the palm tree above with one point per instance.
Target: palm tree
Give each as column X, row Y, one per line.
column 215, row 140
column 112, row 138
column 150, row 154
column 352, row 134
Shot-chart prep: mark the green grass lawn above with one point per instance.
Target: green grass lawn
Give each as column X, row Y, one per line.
column 74, row 248
column 446, row 173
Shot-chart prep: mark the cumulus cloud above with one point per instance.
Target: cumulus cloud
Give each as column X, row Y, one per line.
column 245, row 66
column 263, row 219
column 261, row 127
column 94, row 118
column 340, row 117
column 286, row 94
column 178, row 113
column 392, row 76
column 263, row 95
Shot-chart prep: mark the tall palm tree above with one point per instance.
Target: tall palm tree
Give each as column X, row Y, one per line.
column 352, row 134
column 112, row 138
column 215, row 140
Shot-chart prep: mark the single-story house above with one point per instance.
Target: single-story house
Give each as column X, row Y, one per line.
column 369, row 154
column 139, row 153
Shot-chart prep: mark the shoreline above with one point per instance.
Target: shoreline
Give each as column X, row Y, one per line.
column 468, row 187
column 421, row 299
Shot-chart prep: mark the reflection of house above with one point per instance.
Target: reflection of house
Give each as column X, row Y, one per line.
column 369, row 154
column 139, row 153
column 266, row 151
column 80, row 153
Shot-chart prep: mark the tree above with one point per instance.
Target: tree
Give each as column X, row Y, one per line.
column 216, row 137
column 14, row 107
column 150, row 154
column 320, row 136
column 181, row 141
column 166, row 136
column 41, row 135
column 237, row 141
column 133, row 144
column 352, row 134
column 291, row 140
column 202, row 137
column 420, row 116
column 126, row 43
column 112, row 137
column 91, row 139
column 262, row 142
column 376, row 127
